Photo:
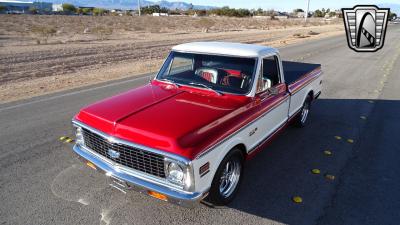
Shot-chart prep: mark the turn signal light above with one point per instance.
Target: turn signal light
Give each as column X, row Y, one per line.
column 91, row 165
column 157, row 195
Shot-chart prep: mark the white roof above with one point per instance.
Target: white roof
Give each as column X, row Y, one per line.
column 225, row 48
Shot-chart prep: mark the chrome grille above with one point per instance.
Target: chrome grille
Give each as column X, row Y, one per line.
column 129, row 156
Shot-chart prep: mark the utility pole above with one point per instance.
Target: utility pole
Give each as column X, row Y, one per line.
column 307, row 9
column 138, row 3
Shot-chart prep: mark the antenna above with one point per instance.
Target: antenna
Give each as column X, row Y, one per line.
column 139, row 7
column 308, row 8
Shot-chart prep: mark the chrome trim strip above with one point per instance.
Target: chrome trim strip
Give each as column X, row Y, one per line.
column 112, row 139
column 179, row 197
column 317, row 95
column 132, row 172
column 240, row 129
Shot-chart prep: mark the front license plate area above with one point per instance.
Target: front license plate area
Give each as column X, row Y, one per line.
column 119, row 184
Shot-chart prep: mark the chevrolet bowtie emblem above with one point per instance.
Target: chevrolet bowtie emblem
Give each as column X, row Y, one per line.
column 365, row 27
column 113, row 154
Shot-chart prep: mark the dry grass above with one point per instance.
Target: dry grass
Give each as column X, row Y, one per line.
column 75, row 25
column 42, row 54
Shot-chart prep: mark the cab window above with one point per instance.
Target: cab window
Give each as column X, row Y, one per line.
column 269, row 74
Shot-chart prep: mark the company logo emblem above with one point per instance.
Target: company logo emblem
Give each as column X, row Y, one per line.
column 113, row 154
column 365, row 27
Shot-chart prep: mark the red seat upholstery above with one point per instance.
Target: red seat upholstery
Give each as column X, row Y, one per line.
column 211, row 75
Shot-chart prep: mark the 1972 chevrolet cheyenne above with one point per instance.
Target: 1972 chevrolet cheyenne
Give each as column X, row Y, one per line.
column 185, row 135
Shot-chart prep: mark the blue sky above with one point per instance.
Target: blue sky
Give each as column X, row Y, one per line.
column 287, row 5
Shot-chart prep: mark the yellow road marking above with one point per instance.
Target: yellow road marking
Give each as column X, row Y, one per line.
column 315, row 171
column 338, row 138
column 351, row 141
column 327, row 152
column 69, row 140
column 62, row 138
column 297, row 199
column 329, row 177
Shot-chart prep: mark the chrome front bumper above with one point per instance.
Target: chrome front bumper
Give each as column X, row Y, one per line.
column 185, row 199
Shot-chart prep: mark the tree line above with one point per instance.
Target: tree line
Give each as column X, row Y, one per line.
column 69, row 8
column 223, row 11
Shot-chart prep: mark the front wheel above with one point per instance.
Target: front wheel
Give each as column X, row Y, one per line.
column 305, row 111
column 227, row 179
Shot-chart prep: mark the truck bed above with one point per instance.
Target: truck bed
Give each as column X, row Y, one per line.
column 295, row 70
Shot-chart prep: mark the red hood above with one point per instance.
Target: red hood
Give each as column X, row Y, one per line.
column 181, row 121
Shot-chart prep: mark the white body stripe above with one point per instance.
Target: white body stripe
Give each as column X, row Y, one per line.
column 266, row 125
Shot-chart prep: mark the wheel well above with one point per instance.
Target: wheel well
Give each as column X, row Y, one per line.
column 311, row 94
column 242, row 149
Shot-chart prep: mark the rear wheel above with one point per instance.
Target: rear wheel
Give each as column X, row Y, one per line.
column 301, row 119
column 227, row 179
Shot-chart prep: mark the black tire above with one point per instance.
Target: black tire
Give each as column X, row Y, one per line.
column 301, row 119
column 215, row 196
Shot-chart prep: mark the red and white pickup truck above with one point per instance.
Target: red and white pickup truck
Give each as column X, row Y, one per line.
column 186, row 134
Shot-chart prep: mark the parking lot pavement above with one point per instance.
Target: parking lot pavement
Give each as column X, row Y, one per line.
column 356, row 119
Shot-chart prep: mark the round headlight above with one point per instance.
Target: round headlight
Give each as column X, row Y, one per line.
column 175, row 173
column 79, row 136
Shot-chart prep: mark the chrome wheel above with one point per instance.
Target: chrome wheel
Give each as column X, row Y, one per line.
column 304, row 112
column 230, row 177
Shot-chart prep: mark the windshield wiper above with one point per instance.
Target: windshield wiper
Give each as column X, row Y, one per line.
column 170, row 82
column 206, row 87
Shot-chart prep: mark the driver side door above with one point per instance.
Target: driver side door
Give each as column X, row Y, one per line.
column 272, row 100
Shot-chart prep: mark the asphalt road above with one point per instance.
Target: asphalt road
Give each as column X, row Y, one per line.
column 43, row 182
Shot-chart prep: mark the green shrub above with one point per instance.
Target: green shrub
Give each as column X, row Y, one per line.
column 33, row 10
column 99, row 11
column 153, row 9
column 226, row 11
column 86, row 11
column 68, row 7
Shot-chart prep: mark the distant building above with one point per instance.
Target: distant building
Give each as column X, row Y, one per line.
column 19, row 7
column 273, row 15
column 43, row 7
column 281, row 16
column 16, row 7
column 301, row 14
column 160, row 14
column 57, row 8
column 262, row 17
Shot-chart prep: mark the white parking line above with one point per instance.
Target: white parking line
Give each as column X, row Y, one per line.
column 73, row 93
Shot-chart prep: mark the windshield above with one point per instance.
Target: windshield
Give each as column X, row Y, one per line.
column 220, row 73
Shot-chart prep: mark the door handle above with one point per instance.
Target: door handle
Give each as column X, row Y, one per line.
column 273, row 91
